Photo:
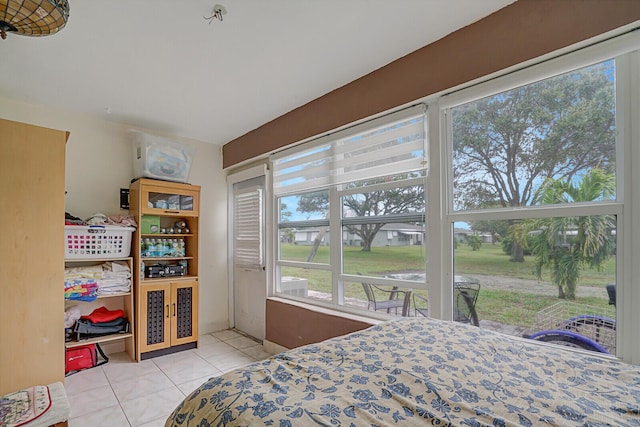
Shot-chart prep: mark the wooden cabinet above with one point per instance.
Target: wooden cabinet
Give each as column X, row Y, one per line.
column 171, row 314
column 165, row 250
column 123, row 301
column 32, row 170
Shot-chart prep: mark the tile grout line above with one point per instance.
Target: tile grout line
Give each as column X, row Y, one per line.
column 237, row 334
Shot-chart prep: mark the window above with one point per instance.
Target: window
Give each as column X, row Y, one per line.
column 534, row 208
column 351, row 209
column 529, row 205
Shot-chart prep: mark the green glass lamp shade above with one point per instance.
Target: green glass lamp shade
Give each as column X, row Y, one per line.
column 33, row 17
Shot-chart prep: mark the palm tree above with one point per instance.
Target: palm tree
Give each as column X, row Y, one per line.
column 565, row 245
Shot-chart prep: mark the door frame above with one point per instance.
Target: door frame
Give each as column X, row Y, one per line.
column 234, row 178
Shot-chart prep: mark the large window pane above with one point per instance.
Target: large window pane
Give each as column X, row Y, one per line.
column 558, row 286
column 304, row 207
column 306, row 244
column 396, row 249
column 507, row 146
column 305, row 282
column 304, row 227
column 392, row 300
column 383, row 229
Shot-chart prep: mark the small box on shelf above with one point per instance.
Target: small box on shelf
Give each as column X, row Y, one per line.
column 150, row 224
column 173, row 201
column 186, row 203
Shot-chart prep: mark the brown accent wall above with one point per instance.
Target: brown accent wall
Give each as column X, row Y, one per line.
column 519, row 32
column 291, row 326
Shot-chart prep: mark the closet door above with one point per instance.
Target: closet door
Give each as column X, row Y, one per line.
column 32, row 251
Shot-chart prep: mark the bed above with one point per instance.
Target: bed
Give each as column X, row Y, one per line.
column 420, row 371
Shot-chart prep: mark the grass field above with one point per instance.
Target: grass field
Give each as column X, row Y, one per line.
column 503, row 306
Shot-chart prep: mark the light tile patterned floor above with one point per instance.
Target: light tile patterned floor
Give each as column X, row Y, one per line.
column 123, row 393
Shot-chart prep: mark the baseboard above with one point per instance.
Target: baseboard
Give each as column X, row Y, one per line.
column 273, row 348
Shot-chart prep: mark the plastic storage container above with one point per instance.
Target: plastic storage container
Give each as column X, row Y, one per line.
column 97, row 241
column 160, row 158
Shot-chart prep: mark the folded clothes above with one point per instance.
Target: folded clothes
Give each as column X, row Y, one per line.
column 114, row 267
column 119, row 220
column 122, row 220
column 102, row 314
column 97, row 219
column 80, row 284
column 113, row 290
column 86, row 298
column 82, row 293
column 73, row 220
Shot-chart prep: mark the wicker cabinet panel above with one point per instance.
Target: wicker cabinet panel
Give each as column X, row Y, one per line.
column 154, row 316
column 184, row 326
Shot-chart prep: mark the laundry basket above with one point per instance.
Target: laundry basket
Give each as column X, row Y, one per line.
column 97, row 241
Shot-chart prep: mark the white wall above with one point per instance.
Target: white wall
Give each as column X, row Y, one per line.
column 99, row 161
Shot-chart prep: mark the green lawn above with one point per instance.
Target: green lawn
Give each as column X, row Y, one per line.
column 503, row 306
column 491, row 259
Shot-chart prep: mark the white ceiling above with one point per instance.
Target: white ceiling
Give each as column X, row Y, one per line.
column 158, row 64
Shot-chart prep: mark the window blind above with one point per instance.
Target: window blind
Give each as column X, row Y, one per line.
column 248, row 228
column 385, row 146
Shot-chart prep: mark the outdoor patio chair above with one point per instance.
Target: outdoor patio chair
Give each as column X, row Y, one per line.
column 465, row 296
column 397, row 299
column 611, row 291
column 420, row 305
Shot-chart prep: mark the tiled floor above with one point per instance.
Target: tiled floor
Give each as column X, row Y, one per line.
column 123, row 393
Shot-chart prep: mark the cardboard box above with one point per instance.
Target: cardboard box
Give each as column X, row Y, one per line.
column 150, row 224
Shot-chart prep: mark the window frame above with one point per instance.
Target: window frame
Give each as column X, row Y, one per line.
column 439, row 217
column 627, row 61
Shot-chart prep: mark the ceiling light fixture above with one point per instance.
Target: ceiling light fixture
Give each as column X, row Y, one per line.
column 218, row 11
column 33, row 17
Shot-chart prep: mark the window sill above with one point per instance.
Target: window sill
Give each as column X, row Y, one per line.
column 337, row 313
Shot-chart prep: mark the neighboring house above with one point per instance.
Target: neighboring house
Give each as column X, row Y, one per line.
column 462, row 235
column 389, row 235
column 308, row 236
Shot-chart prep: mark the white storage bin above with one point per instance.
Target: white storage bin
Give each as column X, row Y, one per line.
column 160, row 158
column 97, row 241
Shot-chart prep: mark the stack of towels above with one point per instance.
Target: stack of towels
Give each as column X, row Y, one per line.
column 87, row 282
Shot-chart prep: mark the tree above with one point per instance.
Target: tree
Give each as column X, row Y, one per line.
column 315, row 202
column 505, row 145
column 496, row 228
column 475, row 242
column 380, row 203
column 565, row 245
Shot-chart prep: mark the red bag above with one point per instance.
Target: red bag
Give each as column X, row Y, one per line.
column 83, row 357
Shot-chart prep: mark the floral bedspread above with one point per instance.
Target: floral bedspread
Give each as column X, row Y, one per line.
column 420, row 371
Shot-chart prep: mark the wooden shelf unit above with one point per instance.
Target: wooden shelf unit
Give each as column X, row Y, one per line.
column 122, row 300
column 167, row 306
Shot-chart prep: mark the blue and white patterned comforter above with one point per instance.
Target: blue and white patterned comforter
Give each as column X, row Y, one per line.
column 420, row 372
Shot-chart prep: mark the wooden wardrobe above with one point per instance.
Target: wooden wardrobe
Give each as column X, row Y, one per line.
column 32, row 173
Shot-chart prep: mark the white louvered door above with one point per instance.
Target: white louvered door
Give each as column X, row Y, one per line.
column 249, row 277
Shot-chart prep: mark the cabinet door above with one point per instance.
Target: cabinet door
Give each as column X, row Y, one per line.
column 161, row 200
column 155, row 325
column 31, row 302
column 184, row 312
